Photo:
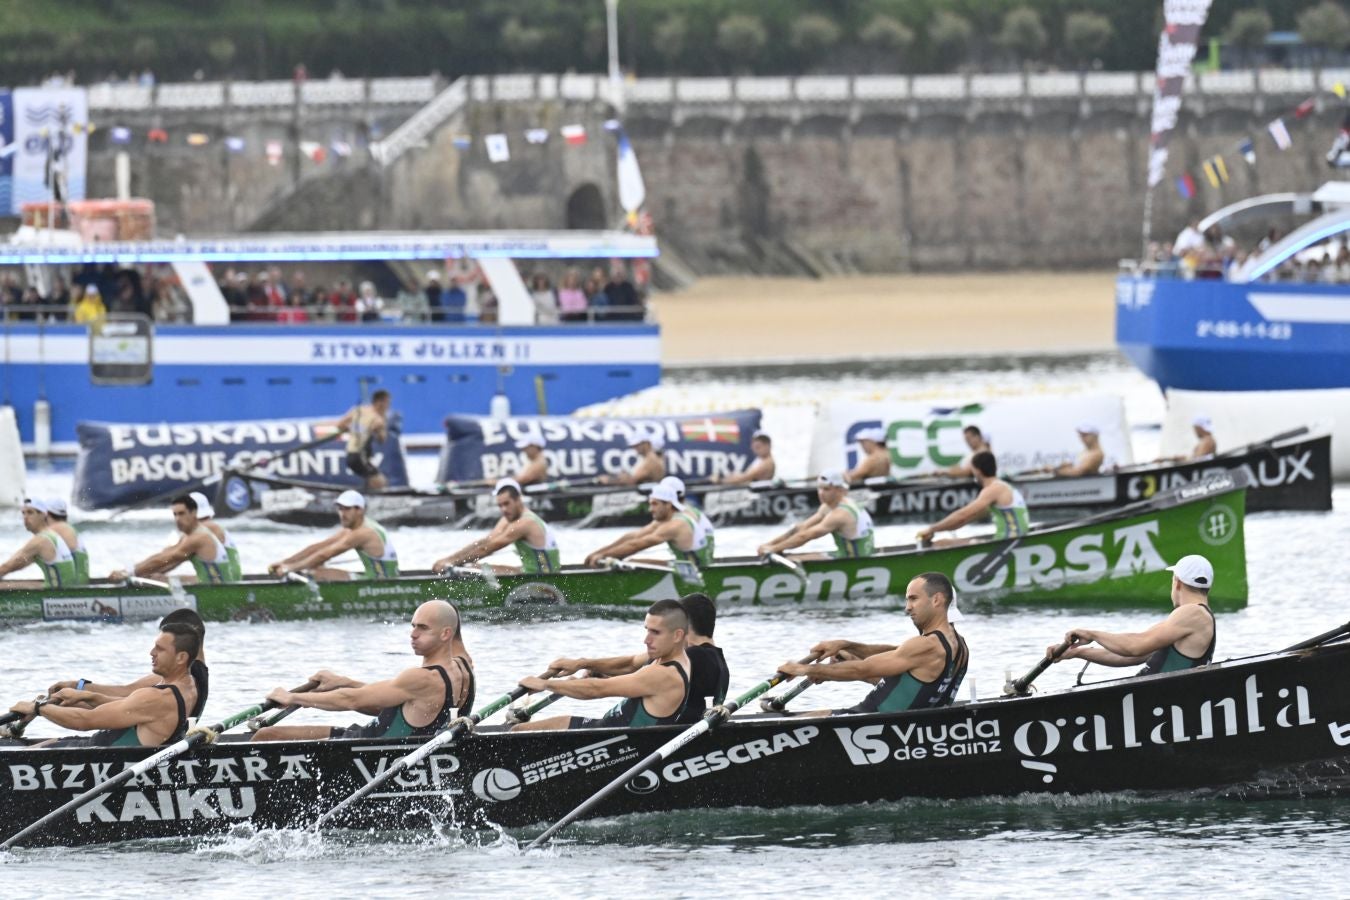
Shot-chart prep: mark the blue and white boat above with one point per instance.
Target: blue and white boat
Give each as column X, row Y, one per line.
column 212, row 370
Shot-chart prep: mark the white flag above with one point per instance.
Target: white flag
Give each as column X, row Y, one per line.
column 498, row 150
column 631, row 189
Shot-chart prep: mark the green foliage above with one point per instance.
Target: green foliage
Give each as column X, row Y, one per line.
column 1022, row 33
column 742, row 38
column 670, row 38
column 1325, row 25
column 222, row 51
column 1086, row 35
column 814, row 35
column 887, row 34
column 1248, row 28
column 950, row 33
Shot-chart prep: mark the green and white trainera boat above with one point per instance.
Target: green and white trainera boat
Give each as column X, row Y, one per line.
column 1116, row 558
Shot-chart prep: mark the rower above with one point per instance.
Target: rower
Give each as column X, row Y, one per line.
column 1089, row 462
column 924, row 672
column 366, row 423
column 651, row 465
column 1184, row 640
column 46, row 548
column 206, row 515
column 705, row 533
column 149, row 716
column 416, row 702
column 839, row 516
column 655, row 694
column 978, row 442
column 535, row 470
column 57, row 515
column 1205, row 445
column 201, row 675
column 763, row 467
column 876, row 459
column 534, row 540
column 197, row 544
column 1003, row 502
column 366, row 536
column 672, row 523
column 708, row 673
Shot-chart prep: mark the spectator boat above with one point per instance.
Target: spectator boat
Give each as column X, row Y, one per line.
column 1290, row 471
column 142, row 371
column 1268, row 726
column 1113, row 559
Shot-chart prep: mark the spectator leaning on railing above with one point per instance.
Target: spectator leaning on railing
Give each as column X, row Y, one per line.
column 545, row 301
column 571, row 298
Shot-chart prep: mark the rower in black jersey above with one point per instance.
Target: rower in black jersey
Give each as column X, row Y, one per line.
column 201, row 675
column 709, row 677
column 655, row 694
column 922, row 673
column 149, row 716
column 417, row 701
column 1184, row 640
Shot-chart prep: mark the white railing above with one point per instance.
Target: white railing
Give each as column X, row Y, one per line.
column 587, row 87
column 422, row 123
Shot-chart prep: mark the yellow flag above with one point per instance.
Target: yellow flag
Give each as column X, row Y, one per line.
column 1339, row 89
column 1212, row 175
column 1221, row 169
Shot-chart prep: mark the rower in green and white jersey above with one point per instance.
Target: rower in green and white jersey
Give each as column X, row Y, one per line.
column 520, row 527
column 672, row 524
column 1002, row 502
column 705, row 537
column 197, row 545
column 206, row 515
column 839, row 517
column 45, row 549
column 57, row 515
column 365, row 536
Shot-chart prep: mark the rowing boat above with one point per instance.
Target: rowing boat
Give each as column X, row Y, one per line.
column 1265, row 726
column 1111, row 559
column 1289, row 472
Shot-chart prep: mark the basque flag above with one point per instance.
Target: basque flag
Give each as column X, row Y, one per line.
column 712, row 430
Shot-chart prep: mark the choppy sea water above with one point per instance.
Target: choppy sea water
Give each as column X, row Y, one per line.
column 1114, row 845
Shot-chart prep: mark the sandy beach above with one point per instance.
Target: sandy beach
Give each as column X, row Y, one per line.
column 731, row 320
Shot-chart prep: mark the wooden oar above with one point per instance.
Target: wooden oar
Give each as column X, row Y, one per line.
column 182, row 489
column 442, row 737
column 1019, row 687
column 711, row 719
column 194, row 737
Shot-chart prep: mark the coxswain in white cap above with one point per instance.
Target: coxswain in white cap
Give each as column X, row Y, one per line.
column 650, row 465
column 1184, row 640
column 761, row 468
column 876, row 459
column 1089, row 460
column 359, row 532
column 534, row 540
column 671, row 523
column 535, row 468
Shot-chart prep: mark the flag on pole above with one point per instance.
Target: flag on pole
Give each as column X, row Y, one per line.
column 157, row 136
column 234, row 144
column 1186, row 186
column 1176, row 50
column 1211, row 173
column 1280, row 133
column 315, row 151
column 341, row 149
column 274, row 153
column 1304, row 109
column 1248, row 151
column 120, row 135
column 198, row 139
column 632, row 191
column 573, row 134
column 498, row 149
column 537, row 135
column 461, row 141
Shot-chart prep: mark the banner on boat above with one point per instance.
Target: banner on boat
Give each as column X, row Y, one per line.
column 121, row 464
column 1026, row 433
column 695, row 446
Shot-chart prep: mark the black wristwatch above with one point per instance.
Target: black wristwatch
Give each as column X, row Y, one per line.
column 37, row 706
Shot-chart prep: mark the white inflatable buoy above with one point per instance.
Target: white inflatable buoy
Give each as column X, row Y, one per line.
column 11, row 459
column 42, row 428
column 500, row 407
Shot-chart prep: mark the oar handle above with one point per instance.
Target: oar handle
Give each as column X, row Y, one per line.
column 1019, row 687
column 256, row 723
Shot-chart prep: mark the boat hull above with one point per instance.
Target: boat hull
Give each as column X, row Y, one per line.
column 1116, row 559
column 1293, row 474
column 1265, row 726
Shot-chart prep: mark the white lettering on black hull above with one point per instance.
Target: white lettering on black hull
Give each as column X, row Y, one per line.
column 872, row 744
column 167, row 805
column 738, row 755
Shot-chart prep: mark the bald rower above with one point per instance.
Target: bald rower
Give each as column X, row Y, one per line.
column 419, row 701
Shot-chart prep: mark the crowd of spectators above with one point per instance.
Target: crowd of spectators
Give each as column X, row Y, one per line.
column 92, row 292
column 1214, row 255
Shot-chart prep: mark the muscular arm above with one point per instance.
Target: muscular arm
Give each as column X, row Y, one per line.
column 646, row 682
column 638, row 541
column 826, row 649
column 784, row 540
column 534, row 472
column 24, row 557
column 609, row 665
column 139, row 707
column 913, row 654
column 1088, row 464
column 503, row 534
column 364, row 698
column 759, row 470
column 317, row 554
column 1128, row 648
column 968, row 513
column 868, row 467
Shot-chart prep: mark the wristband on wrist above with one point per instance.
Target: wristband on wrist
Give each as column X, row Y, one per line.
column 37, row 706
column 79, row 685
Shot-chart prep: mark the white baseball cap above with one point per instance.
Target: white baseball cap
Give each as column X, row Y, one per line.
column 654, row 439
column 666, row 492
column 875, row 435
column 760, row 435
column 56, row 506
column 674, row 483
column 504, row 483
column 1203, row 422
column 433, row 275
column 531, row 441
column 1193, row 571
column 204, row 508
column 351, row 500
column 1088, row 428
column 831, row 478
column 35, row 503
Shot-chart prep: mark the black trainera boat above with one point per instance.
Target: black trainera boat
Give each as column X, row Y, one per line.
column 1268, row 725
